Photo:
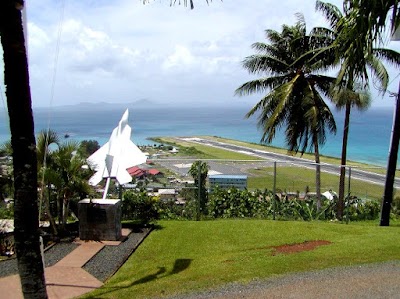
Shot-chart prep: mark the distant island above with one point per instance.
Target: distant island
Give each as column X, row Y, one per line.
column 90, row 106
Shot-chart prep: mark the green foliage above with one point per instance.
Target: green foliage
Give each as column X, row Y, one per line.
column 306, row 209
column 199, row 172
column 138, row 205
column 189, row 151
column 171, row 210
column 7, row 212
column 396, row 206
column 88, row 147
column 361, row 209
column 233, row 203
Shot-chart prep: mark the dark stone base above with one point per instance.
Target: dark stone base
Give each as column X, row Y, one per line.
column 100, row 219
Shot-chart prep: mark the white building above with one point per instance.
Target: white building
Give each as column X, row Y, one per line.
column 228, row 181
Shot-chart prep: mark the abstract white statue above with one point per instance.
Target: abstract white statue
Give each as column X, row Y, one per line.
column 114, row 157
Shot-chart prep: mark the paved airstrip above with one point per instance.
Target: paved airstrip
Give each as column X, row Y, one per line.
column 182, row 166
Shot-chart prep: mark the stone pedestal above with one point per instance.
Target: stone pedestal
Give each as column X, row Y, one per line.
column 99, row 219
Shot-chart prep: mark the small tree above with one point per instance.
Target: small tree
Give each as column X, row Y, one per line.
column 88, row 147
column 199, row 172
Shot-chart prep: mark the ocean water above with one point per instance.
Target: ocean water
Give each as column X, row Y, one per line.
column 368, row 141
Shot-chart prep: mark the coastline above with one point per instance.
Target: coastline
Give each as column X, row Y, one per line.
column 369, row 135
column 307, row 156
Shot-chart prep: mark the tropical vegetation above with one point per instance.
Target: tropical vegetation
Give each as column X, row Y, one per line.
column 199, row 172
column 295, row 87
column 348, row 92
column 363, row 26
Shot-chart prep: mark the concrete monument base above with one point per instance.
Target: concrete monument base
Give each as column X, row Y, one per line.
column 100, row 219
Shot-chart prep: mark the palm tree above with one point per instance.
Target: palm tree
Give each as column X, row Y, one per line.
column 294, row 87
column 199, row 172
column 45, row 140
column 16, row 77
column 69, row 177
column 346, row 97
column 355, row 33
column 26, row 220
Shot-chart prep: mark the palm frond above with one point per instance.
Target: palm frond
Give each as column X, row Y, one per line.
column 264, row 64
column 260, row 85
column 330, row 11
column 379, row 71
column 388, row 55
column 358, row 97
column 323, row 83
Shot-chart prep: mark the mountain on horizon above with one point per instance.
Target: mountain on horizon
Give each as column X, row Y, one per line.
column 142, row 103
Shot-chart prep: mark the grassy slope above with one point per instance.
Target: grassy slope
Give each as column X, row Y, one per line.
column 189, row 256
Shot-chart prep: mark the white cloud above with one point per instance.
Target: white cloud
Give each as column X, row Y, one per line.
column 181, row 58
column 126, row 50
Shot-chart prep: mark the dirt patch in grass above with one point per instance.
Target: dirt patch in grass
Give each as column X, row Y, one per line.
column 299, row 247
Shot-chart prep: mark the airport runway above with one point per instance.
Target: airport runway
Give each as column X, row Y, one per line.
column 270, row 157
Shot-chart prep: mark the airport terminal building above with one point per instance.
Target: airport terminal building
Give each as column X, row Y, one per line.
column 227, row 181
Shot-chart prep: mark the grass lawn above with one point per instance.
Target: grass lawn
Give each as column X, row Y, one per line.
column 186, row 256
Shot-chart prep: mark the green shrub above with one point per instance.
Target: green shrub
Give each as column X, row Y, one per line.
column 170, row 210
column 7, row 212
column 362, row 209
column 234, row 203
column 137, row 205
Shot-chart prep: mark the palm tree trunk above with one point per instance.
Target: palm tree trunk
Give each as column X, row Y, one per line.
column 48, row 211
column 391, row 168
column 65, row 213
column 317, row 173
column 340, row 207
column 26, row 221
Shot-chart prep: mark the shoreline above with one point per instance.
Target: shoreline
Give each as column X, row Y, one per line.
column 274, row 149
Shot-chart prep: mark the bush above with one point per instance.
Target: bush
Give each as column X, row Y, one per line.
column 233, row 203
column 361, row 209
column 7, row 212
column 137, row 205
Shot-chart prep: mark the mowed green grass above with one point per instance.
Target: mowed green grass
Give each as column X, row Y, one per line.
column 187, row 256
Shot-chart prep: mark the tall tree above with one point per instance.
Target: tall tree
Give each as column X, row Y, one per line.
column 199, row 172
column 358, row 33
column 45, row 140
column 26, row 221
column 294, row 89
column 348, row 93
column 347, row 99
column 16, row 77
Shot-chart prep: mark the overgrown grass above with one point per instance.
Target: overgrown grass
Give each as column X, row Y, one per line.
column 186, row 256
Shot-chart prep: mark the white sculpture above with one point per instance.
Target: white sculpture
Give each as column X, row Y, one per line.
column 114, row 157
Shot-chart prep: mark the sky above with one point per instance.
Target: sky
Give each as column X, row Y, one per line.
column 123, row 51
